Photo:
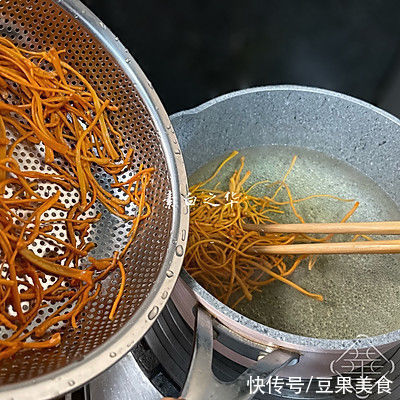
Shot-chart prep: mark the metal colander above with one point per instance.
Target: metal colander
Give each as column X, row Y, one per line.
column 153, row 261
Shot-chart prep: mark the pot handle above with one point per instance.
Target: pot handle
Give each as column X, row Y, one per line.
column 201, row 383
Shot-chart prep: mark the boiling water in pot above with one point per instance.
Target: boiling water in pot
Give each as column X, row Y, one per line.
column 361, row 292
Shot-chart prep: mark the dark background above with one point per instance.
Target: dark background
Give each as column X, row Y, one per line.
column 195, row 50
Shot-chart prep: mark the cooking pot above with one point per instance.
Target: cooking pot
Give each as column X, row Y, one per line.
column 342, row 127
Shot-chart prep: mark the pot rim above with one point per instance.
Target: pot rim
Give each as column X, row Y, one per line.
column 237, row 318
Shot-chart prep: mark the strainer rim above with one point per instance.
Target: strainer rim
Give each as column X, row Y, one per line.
column 78, row 373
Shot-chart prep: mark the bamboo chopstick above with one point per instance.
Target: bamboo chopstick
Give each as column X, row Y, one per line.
column 367, row 228
column 368, row 247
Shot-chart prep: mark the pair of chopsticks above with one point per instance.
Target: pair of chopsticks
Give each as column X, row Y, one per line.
column 356, row 228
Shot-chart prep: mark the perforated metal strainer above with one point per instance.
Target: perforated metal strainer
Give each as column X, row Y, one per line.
column 154, row 259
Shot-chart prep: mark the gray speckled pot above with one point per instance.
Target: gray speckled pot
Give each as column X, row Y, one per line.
column 346, row 128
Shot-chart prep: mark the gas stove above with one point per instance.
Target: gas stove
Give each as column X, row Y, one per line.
column 158, row 365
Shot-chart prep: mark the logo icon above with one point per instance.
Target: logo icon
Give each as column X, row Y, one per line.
column 365, row 370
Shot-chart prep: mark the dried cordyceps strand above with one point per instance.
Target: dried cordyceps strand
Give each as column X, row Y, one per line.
column 219, row 252
column 39, row 106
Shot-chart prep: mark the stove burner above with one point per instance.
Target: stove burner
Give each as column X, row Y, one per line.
column 161, row 361
column 170, row 340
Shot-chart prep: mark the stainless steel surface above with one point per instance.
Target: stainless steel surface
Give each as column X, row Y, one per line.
column 346, row 128
column 154, row 259
column 164, row 355
column 202, row 384
column 124, row 381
